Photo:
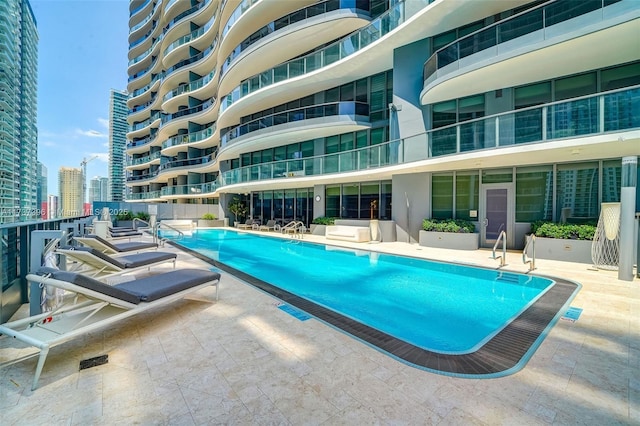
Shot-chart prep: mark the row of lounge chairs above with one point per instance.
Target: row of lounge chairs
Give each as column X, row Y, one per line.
column 292, row 227
column 96, row 301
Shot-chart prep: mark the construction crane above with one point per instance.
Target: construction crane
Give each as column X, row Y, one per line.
column 83, row 164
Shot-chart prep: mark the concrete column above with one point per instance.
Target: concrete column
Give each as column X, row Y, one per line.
column 627, row 216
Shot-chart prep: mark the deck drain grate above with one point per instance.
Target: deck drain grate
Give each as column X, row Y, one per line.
column 302, row 316
column 94, row 362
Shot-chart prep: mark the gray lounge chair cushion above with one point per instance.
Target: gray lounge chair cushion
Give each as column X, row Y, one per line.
column 90, row 284
column 125, row 233
column 147, row 289
column 128, row 261
column 122, row 247
column 143, row 259
column 158, row 286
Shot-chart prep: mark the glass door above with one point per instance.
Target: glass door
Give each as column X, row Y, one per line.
column 497, row 213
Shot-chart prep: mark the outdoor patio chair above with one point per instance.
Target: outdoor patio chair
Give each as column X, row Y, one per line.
column 106, row 246
column 97, row 264
column 101, row 305
column 269, row 226
column 247, row 225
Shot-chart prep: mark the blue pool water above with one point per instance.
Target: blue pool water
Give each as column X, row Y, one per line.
column 441, row 307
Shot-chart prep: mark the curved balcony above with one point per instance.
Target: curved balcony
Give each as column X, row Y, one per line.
column 147, row 196
column 194, row 138
column 236, row 14
column 138, row 129
column 193, row 60
column 141, row 6
column 190, row 88
column 144, row 179
column 176, row 167
column 186, row 13
column 273, row 125
column 138, row 93
column 138, row 109
column 330, row 54
column 184, row 113
column 189, row 37
column 143, row 162
column 191, row 190
column 287, row 20
column 526, row 40
column 141, row 57
column 602, row 126
column 146, row 19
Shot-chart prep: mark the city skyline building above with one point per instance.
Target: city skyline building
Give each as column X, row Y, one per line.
column 118, row 128
column 71, row 185
column 43, row 189
column 18, row 112
column 423, row 109
column 99, row 189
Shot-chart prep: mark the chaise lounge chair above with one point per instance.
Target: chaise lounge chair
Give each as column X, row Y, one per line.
column 105, row 246
column 104, row 305
column 97, row 264
column 269, row 226
column 247, row 225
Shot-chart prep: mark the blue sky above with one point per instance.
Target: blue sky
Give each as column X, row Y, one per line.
column 82, row 54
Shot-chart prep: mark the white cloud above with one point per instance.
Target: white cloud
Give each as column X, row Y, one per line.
column 46, row 143
column 91, row 133
column 104, row 122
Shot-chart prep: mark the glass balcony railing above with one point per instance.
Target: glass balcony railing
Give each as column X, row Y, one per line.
column 146, row 105
column 166, row 118
column 330, row 54
column 139, row 178
column 351, row 109
column 536, row 20
column 190, row 137
column 146, row 19
column 141, row 125
column 189, row 162
column 139, row 8
column 189, row 37
column 292, row 18
column 194, row 85
column 613, row 111
column 195, row 189
column 143, row 160
column 184, row 14
column 144, row 195
column 236, row 14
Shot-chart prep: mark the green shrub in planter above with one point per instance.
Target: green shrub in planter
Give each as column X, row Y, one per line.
column 448, row 225
column 209, row 216
column 124, row 215
column 566, row 231
column 143, row 216
column 324, row 220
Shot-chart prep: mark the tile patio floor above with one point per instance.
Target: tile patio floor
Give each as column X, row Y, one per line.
column 243, row 361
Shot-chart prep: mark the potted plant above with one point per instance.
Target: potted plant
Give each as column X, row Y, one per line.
column 238, row 208
column 124, row 219
column 319, row 224
column 455, row 234
column 569, row 242
column 208, row 220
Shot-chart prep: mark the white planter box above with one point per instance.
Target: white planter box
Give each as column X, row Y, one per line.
column 210, row 223
column 450, row 240
column 563, row 250
column 317, row 229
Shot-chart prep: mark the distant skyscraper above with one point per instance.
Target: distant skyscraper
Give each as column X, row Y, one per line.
column 71, row 191
column 52, row 207
column 18, row 111
column 99, row 189
column 42, row 189
column 118, row 128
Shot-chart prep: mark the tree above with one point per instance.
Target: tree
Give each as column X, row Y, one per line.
column 238, row 208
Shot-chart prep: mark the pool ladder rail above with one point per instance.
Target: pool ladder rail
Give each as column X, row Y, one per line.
column 531, row 239
column 503, row 259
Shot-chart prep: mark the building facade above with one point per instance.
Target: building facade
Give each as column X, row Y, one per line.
column 43, row 189
column 99, row 189
column 503, row 113
column 71, row 186
column 118, row 128
column 18, row 112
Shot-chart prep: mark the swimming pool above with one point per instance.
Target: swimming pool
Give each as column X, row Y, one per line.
column 449, row 310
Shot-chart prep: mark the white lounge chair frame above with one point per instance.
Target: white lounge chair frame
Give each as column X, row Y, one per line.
column 96, row 243
column 50, row 329
column 94, row 266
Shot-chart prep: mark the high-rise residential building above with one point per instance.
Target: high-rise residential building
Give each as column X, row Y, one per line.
column 43, row 188
column 70, row 184
column 118, row 128
column 99, row 189
column 18, row 112
column 498, row 112
column 53, row 207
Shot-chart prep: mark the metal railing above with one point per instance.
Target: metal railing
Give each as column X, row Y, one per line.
column 531, row 239
column 502, row 237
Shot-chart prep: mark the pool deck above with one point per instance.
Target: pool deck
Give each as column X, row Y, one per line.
column 242, row 360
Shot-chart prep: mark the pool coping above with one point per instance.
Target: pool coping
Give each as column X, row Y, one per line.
column 505, row 353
